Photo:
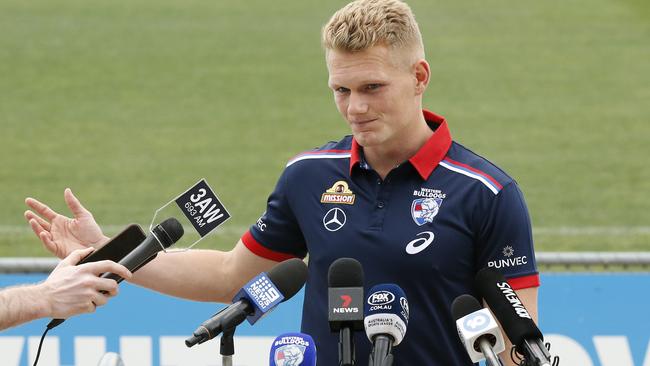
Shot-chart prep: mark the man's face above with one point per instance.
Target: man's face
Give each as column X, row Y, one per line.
column 375, row 91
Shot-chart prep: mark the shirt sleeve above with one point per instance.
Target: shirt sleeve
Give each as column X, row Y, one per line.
column 276, row 235
column 505, row 240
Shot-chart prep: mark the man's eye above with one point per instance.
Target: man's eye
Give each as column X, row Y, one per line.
column 341, row 90
column 373, row 86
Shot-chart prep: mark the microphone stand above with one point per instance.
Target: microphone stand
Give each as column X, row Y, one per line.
column 381, row 354
column 227, row 346
column 490, row 357
column 346, row 346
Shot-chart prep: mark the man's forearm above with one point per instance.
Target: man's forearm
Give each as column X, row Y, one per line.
column 21, row 304
column 201, row 275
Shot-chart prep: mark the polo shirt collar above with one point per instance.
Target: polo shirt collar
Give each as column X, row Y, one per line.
column 429, row 155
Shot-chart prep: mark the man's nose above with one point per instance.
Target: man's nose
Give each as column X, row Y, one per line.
column 357, row 105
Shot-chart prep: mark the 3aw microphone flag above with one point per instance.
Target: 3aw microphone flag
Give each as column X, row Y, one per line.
column 200, row 208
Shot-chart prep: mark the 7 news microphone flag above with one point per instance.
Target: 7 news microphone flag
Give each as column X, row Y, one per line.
column 345, row 304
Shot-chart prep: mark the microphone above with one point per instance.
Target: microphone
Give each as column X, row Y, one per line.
column 293, row 349
column 515, row 319
column 162, row 236
column 478, row 330
column 387, row 315
column 345, row 304
column 111, row 359
column 257, row 298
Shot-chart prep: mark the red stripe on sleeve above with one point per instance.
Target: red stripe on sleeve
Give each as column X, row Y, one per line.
column 519, row 283
column 262, row 251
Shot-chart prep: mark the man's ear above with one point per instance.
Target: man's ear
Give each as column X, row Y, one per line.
column 422, row 73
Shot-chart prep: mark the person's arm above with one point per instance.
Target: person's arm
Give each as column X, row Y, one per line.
column 202, row 275
column 528, row 297
column 68, row 290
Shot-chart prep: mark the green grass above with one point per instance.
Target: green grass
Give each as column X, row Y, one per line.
column 129, row 103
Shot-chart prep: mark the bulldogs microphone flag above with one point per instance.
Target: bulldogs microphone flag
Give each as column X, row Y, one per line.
column 293, row 349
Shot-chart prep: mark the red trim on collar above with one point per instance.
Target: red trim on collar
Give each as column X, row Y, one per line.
column 429, row 155
column 435, row 149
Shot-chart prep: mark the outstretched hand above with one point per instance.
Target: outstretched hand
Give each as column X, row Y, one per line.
column 61, row 234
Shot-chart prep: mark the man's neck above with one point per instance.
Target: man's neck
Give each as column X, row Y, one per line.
column 386, row 157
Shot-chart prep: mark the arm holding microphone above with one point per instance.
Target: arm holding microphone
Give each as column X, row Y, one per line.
column 167, row 273
column 69, row 290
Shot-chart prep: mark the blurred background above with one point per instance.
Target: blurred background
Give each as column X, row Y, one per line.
column 130, row 103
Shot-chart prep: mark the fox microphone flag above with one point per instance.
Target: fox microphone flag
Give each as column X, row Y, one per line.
column 387, row 314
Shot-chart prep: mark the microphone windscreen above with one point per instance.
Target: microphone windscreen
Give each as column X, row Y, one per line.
column 293, row 349
column 289, row 276
column 506, row 306
column 386, row 312
column 168, row 232
column 464, row 305
column 345, row 272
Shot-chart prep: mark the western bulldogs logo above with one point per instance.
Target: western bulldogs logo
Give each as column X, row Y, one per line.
column 423, row 210
column 289, row 355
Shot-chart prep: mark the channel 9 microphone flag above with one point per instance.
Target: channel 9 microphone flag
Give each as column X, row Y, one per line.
column 198, row 208
column 293, row 349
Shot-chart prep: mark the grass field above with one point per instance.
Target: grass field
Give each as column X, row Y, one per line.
column 129, row 103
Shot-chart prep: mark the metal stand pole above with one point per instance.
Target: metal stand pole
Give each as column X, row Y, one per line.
column 227, row 347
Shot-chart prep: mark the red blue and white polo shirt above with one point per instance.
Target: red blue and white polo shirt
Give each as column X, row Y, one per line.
column 429, row 226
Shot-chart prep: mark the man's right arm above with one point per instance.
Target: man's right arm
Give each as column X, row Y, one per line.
column 202, row 275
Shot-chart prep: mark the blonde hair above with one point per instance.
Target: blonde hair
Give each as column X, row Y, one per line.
column 363, row 24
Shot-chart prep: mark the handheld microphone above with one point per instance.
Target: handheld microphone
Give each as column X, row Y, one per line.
column 345, row 304
column 162, row 236
column 387, row 315
column 293, row 349
column 515, row 319
column 256, row 299
column 478, row 330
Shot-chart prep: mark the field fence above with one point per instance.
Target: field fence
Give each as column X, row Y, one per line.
column 546, row 261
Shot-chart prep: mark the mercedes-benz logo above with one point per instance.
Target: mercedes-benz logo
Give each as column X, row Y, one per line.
column 334, row 219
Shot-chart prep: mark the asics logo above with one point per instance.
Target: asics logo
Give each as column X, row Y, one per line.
column 415, row 246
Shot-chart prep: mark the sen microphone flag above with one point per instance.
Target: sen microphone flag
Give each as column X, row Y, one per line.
column 293, row 349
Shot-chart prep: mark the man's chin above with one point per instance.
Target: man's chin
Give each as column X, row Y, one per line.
column 366, row 139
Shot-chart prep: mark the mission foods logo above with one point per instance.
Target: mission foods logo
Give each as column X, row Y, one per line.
column 339, row 193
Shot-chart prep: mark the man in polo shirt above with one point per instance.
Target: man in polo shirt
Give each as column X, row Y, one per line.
column 414, row 207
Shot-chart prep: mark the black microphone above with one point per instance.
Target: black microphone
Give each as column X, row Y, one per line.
column 515, row 319
column 162, row 236
column 478, row 330
column 256, row 299
column 345, row 304
column 387, row 315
